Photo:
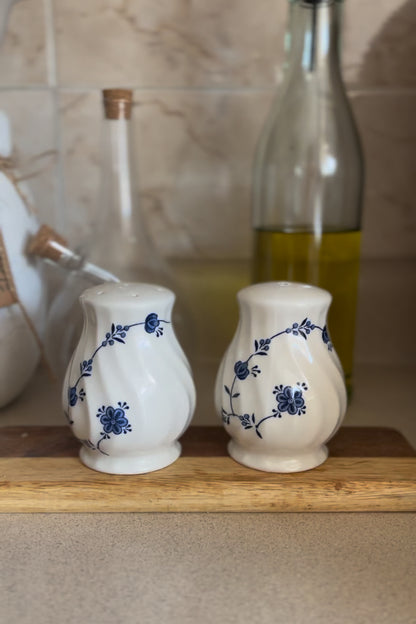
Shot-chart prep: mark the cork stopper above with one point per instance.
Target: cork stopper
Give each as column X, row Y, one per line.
column 47, row 243
column 117, row 103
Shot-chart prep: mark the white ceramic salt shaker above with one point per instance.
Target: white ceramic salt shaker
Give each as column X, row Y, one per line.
column 128, row 392
column 280, row 389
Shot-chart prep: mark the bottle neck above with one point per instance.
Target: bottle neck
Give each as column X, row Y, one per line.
column 122, row 244
column 312, row 39
column 118, row 183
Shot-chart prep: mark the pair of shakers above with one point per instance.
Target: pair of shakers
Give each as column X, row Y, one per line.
column 129, row 395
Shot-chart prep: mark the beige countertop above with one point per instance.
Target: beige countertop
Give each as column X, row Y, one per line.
column 204, row 568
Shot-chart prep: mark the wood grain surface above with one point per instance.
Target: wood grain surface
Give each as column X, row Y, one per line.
column 208, row 484
column 382, row 479
column 202, row 442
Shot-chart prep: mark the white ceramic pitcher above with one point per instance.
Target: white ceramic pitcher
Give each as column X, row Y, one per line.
column 280, row 388
column 19, row 352
column 128, row 392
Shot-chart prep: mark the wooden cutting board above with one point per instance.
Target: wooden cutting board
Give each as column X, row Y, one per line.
column 369, row 469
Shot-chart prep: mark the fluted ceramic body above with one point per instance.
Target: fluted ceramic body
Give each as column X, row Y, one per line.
column 128, row 392
column 280, row 388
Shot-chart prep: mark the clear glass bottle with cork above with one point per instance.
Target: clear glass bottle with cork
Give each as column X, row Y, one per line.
column 121, row 242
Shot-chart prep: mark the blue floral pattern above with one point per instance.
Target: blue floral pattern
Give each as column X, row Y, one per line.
column 72, row 396
column 113, row 419
column 247, row 421
column 152, row 324
column 117, row 334
column 290, row 400
column 241, row 370
column 326, row 338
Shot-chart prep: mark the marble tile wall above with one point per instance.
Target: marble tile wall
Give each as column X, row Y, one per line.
column 23, row 53
column 203, row 75
column 31, row 115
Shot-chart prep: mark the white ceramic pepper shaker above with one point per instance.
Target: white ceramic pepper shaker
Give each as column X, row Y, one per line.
column 280, row 389
column 128, row 392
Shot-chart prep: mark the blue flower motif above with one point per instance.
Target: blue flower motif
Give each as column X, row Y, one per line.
column 290, row 400
column 326, row 338
column 241, row 369
column 247, row 421
column 117, row 333
column 262, row 346
column 255, row 370
column 151, row 323
column 86, row 367
column 304, row 329
column 114, row 420
column 72, row 396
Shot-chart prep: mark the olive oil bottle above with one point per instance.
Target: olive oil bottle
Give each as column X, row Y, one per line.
column 308, row 175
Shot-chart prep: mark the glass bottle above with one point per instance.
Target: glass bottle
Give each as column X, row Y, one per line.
column 53, row 248
column 121, row 242
column 308, row 174
column 71, row 276
column 64, row 318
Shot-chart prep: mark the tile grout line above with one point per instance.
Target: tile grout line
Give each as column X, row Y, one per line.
column 50, row 44
column 52, row 74
column 238, row 90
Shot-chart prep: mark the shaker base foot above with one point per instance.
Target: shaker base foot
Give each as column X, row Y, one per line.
column 277, row 462
column 131, row 464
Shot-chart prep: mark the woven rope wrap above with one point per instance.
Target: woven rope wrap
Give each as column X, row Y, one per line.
column 9, row 165
column 8, row 294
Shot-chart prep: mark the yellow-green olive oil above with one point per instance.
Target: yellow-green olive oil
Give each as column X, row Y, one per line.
column 329, row 260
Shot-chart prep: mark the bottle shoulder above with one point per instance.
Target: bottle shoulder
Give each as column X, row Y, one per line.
column 308, row 166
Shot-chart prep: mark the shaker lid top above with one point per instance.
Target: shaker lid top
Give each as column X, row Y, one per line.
column 126, row 293
column 285, row 293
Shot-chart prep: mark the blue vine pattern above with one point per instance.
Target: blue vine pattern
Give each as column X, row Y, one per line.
column 289, row 399
column 118, row 333
column 114, row 421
